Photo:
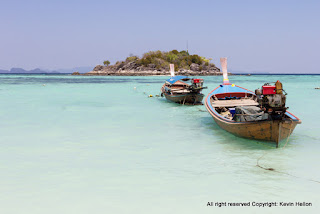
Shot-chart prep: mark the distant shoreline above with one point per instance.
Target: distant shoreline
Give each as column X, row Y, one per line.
column 234, row 74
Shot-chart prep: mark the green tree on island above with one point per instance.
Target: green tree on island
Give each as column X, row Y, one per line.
column 106, row 63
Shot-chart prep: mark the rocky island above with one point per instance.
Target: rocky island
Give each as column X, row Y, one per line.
column 157, row 63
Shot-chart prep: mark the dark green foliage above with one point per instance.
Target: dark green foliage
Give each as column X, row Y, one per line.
column 171, row 57
column 175, row 52
column 106, row 63
column 161, row 60
column 132, row 58
column 176, row 67
column 196, row 59
column 184, row 53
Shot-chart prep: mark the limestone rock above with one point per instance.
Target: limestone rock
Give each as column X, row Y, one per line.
column 194, row 67
column 98, row 68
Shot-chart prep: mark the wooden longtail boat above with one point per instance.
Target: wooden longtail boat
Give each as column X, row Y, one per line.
column 269, row 122
column 176, row 89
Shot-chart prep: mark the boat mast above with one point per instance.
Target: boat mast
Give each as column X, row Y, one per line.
column 172, row 70
column 223, row 62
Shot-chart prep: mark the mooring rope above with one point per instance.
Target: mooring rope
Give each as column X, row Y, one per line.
column 184, row 100
column 274, row 170
column 202, row 110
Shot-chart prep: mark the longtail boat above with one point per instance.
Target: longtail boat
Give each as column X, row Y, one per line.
column 176, row 89
column 260, row 115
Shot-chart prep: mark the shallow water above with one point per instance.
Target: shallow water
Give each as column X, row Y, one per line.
column 75, row 144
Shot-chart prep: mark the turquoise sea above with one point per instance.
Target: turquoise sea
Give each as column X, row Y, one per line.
column 76, row 144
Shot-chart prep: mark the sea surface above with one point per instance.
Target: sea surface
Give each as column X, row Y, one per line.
column 78, row 144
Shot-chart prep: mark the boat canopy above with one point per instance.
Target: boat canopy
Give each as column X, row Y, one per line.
column 229, row 89
column 177, row 78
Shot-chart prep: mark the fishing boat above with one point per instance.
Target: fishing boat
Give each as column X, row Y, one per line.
column 260, row 115
column 177, row 89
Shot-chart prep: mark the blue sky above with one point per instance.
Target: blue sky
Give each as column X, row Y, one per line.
column 269, row 36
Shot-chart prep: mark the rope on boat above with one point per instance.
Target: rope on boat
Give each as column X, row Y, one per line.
column 250, row 114
column 201, row 110
column 184, row 100
column 150, row 95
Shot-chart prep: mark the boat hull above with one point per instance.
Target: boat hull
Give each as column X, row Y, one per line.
column 188, row 98
column 194, row 99
column 274, row 131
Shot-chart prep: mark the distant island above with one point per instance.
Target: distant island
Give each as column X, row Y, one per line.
column 157, row 63
column 23, row 71
column 59, row 71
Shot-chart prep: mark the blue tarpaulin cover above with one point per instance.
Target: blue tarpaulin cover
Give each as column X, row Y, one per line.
column 176, row 78
column 230, row 88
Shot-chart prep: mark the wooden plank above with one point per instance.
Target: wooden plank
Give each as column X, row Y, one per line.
column 180, row 91
column 231, row 103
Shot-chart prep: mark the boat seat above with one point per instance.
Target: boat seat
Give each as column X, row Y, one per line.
column 180, row 91
column 232, row 103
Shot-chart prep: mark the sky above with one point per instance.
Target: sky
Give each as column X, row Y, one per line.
column 257, row 36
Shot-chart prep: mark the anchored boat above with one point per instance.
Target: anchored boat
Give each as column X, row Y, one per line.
column 260, row 115
column 177, row 89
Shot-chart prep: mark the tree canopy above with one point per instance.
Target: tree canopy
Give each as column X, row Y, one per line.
column 106, row 63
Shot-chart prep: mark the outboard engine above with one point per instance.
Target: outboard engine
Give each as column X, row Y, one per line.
column 196, row 84
column 272, row 98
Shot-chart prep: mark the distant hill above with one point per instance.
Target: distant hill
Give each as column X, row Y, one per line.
column 46, row 71
column 23, row 71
